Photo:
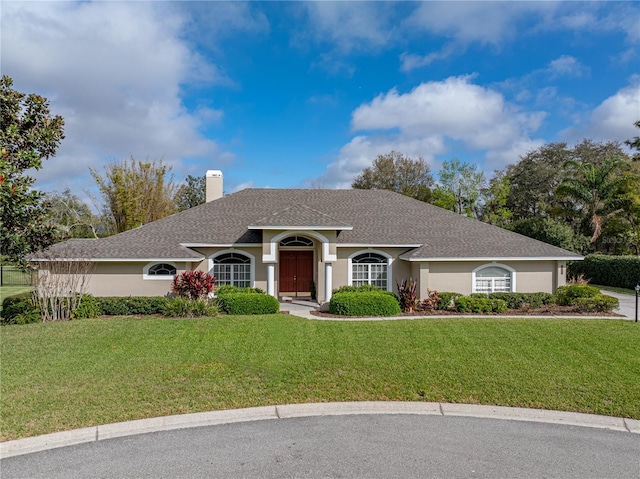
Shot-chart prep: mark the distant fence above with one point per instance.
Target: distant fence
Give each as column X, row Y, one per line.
column 12, row 276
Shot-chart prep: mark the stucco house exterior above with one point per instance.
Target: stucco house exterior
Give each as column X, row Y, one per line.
column 283, row 240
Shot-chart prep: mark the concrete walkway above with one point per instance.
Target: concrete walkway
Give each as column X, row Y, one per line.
column 627, row 304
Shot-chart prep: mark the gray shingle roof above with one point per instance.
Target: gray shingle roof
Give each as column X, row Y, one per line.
column 378, row 217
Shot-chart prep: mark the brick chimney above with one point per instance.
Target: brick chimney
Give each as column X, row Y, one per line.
column 213, row 188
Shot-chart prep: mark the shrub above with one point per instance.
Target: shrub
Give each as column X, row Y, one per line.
column 20, row 309
column 189, row 308
column 523, row 300
column 447, row 300
column 248, row 303
column 407, row 295
column 566, row 295
column 367, row 303
column 132, row 305
column 89, row 308
column 431, row 301
column 599, row 303
column 618, row 271
column 364, row 289
column 477, row 304
column 227, row 288
column 193, row 284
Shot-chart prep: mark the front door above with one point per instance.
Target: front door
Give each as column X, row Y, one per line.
column 296, row 273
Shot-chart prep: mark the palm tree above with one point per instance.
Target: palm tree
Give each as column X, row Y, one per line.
column 594, row 189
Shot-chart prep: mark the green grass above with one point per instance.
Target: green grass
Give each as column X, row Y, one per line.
column 615, row 290
column 58, row 376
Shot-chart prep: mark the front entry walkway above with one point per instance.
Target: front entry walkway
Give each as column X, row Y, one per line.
column 299, row 307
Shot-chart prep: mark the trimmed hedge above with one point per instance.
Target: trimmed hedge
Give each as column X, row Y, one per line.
column 364, row 289
column 566, row 295
column 365, row 303
column 189, row 308
column 599, row 303
column 20, row 309
column 523, row 300
column 618, row 271
column 475, row 304
column 89, row 308
column 243, row 302
column 447, row 300
column 132, row 305
column 227, row 288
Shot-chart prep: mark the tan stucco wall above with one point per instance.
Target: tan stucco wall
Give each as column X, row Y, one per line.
column 125, row 279
column 399, row 269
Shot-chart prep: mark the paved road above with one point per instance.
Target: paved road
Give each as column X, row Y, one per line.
column 350, row 446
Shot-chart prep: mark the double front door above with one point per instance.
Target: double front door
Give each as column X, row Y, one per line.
column 296, row 273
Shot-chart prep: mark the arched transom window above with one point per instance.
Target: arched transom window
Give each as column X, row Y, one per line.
column 162, row 269
column 233, row 269
column 296, row 241
column 370, row 268
column 493, row 279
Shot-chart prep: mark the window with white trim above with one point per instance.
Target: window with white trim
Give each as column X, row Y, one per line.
column 159, row 271
column 493, row 279
column 369, row 268
column 233, row 269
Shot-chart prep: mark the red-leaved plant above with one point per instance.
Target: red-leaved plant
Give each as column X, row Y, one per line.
column 193, row 284
column 431, row 301
column 407, row 295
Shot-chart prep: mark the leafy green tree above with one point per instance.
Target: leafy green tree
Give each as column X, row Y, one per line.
column 29, row 134
column 552, row 232
column 191, row 193
column 72, row 216
column 635, row 143
column 462, row 181
column 494, row 209
column 593, row 189
column 136, row 193
column 397, row 172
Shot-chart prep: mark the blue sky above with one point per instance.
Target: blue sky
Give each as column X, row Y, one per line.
column 300, row 94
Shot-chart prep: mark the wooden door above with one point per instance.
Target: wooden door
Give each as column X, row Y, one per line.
column 296, row 273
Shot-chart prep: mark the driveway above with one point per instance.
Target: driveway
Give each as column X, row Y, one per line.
column 627, row 304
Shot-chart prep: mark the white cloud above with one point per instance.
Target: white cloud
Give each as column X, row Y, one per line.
column 611, row 120
column 114, row 71
column 567, row 65
column 423, row 121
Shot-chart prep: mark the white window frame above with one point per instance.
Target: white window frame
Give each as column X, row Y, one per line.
column 153, row 277
column 372, row 251
column 493, row 265
column 252, row 264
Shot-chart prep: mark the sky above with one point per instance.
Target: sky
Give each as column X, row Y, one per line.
column 307, row 94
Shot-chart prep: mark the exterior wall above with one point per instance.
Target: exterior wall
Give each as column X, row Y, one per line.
column 125, row 279
column 260, row 269
column 399, row 269
column 456, row 276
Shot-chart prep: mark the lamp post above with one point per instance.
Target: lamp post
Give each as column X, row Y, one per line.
column 637, row 288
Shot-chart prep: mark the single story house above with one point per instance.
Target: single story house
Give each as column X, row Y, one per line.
column 289, row 242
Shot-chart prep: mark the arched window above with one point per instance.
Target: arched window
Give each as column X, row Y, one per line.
column 370, row 268
column 233, row 269
column 159, row 271
column 296, row 241
column 493, row 279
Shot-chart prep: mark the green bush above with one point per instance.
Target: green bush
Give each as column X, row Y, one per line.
column 248, row 303
column 599, row 303
column 189, row 308
column 477, row 304
column 618, row 271
column 365, row 288
column 366, row 303
column 566, row 295
column 227, row 288
column 89, row 308
column 447, row 300
column 20, row 309
column 522, row 300
column 132, row 305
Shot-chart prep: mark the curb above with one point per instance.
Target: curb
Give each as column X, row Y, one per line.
column 143, row 426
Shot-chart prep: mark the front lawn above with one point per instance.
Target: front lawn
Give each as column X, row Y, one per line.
column 58, row 376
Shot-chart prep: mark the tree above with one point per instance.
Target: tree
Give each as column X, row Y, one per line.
column 136, row 193
column 462, row 182
column 494, row 209
column 593, row 188
column 191, row 193
column 398, row 173
column 635, row 143
column 71, row 216
column 29, row 134
column 552, row 232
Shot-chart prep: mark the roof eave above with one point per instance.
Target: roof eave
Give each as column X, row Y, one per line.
column 496, row 258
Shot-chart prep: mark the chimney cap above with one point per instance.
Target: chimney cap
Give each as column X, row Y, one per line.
column 213, row 173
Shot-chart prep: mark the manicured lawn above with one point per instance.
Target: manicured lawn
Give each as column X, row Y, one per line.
column 59, row 376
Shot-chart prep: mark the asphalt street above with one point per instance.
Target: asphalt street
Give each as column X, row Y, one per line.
column 353, row 446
